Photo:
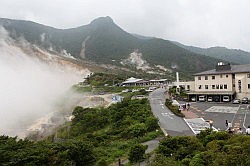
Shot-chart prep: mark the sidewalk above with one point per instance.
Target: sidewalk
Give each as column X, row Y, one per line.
column 189, row 114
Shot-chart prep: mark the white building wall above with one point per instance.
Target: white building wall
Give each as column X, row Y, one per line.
column 244, row 91
column 220, row 83
column 188, row 85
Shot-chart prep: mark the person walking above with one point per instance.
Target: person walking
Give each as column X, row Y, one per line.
column 229, row 126
column 188, row 106
column 239, row 131
column 248, row 130
column 226, row 124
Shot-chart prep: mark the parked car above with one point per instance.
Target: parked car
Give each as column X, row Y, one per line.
column 135, row 90
column 209, row 99
column 244, row 100
column 126, row 90
column 193, row 99
column 236, row 101
column 225, row 99
column 101, row 93
column 202, row 98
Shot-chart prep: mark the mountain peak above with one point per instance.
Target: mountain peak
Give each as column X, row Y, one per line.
column 102, row 20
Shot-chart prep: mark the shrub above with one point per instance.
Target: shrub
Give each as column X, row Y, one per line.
column 174, row 108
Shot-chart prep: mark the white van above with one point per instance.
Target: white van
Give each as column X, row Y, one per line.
column 202, row 98
column 226, row 99
column 210, row 99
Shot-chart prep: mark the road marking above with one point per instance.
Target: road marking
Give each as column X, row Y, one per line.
column 223, row 109
column 244, row 121
column 166, row 114
column 198, row 124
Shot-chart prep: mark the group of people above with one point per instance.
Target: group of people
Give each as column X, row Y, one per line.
column 238, row 131
column 184, row 107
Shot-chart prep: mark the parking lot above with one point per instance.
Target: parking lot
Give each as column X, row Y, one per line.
column 237, row 114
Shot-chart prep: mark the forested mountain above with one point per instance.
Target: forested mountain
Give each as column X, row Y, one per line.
column 230, row 55
column 103, row 42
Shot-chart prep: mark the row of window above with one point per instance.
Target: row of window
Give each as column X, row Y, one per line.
column 213, row 77
column 221, row 86
column 221, row 76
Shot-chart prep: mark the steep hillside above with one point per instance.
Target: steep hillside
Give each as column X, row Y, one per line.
column 103, row 42
column 230, row 55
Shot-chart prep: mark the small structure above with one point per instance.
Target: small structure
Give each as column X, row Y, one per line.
column 140, row 82
column 133, row 82
column 117, row 98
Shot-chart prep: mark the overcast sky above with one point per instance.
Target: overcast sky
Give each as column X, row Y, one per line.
column 202, row 23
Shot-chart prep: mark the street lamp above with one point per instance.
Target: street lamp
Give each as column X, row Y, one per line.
column 211, row 124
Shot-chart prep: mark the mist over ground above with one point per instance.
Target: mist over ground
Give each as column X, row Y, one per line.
column 30, row 88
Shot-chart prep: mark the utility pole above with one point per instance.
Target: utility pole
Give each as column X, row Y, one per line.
column 177, row 83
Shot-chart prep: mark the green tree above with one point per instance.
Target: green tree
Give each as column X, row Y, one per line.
column 161, row 160
column 136, row 153
column 151, row 123
column 137, row 130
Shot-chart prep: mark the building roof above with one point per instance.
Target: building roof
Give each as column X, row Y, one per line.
column 132, row 80
column 211, row 93
column 160, row 80
column 234, row 69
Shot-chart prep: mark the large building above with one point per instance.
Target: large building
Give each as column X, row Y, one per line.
column 223, row 83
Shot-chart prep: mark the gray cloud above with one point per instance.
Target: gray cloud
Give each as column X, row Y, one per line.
column 201, row 23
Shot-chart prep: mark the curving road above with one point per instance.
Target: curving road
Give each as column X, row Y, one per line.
column 169, row 123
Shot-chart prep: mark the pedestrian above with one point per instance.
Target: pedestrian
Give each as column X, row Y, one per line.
column 239, row 131
column 229, row 126
column 248, row 130
column 188, row 106
column 180, row 107
column 226, row 124
column 184, row 107
column 230, row 131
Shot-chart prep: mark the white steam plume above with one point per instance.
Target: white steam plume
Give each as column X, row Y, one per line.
column 28, row 87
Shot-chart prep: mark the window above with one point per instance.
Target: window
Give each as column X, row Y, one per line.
column 206, row 86
column 239, row 86
column 227, row 76
column 234, row 85
column 213, row 77
column 213, row 86
column 206, row 77
column 221, row 76
column 225, row 86
column 233, row 76
column 199, row 86
column 188, row 87
column 217, row 86
column 248, row 86
column 199, row 78
column 248, row 75
column 221, row 86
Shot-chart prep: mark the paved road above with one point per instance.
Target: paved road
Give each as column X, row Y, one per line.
column 169, row 122
column 238, row 114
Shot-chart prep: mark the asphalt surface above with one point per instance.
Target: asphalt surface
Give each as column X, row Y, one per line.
column 169, row 123
column 239, row 118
